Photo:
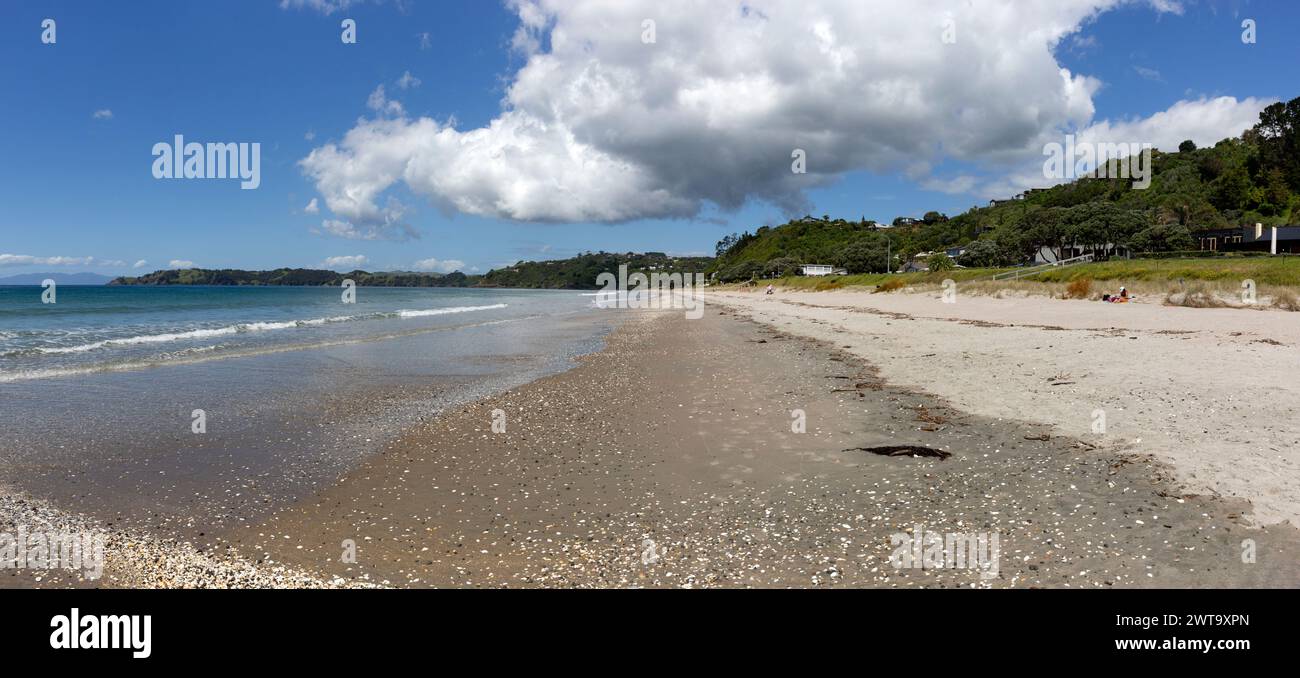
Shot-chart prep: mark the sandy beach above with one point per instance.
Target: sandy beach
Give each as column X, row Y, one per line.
column 676, row 442
column 1206, row 391
column 669, row 459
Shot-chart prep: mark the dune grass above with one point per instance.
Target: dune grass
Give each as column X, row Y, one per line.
column 1189, row 281
column 1280, row 271
column 871, row 280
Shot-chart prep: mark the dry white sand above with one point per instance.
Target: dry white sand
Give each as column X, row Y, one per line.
column 1213, row 392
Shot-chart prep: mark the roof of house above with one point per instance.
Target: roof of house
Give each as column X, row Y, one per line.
column 1283, row 233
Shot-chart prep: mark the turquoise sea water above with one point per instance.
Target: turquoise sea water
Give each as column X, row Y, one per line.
column 91, row 329
column 98, row 391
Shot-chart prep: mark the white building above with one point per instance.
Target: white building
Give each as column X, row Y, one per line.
column 816, row 269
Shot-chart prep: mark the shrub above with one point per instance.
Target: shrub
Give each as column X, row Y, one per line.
column 889, row 286
column 940, row 262
column 1079, row 289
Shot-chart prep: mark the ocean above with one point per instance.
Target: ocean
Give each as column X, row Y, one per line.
column 101, row 393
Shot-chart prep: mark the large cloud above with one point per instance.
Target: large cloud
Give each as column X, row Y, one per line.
column 599, row 126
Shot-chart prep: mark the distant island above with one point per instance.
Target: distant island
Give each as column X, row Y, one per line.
column 60, row 278
column 295, row 277
column 575, row 273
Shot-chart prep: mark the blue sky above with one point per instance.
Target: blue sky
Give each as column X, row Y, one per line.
column 77, row 185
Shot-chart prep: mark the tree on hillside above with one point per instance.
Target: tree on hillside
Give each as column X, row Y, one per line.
column 1187, row 146
column 983, row 254
column 1101, row 227
column 1045, row 227
column 1188, row 208
column 1162, row 238
column 1276, row 195
column 865, row 256
column 780, row 266
column 745, row 270
column 1231, row 189
column 1278, row 137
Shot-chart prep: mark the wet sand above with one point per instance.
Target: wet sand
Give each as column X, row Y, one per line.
column 669, row 460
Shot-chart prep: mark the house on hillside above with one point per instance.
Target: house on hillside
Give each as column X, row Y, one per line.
column 918, row 263
column 1256, row 238
column 821, row 269
column 1259, row 238
column 1219, row 239
column 1045, row 255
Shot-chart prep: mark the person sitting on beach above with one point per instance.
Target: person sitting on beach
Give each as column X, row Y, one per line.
column 769, row 288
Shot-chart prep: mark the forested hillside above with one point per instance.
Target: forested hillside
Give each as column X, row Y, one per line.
column 1254, row 178
column 580, row 272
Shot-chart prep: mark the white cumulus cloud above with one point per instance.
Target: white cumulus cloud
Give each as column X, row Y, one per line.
column 408, row 81
column 180, row 263
column 345, row 262
column 322, row 6
column 28, row 260
column 102, row 114
column 387, row 229
column 597, row 125
column 379, row 101
column 439, row 265
column 139, row 264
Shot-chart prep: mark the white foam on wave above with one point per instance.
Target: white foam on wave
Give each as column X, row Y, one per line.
column 444, row 311
column 242, row 328
column 141, row 339
column 202, row 354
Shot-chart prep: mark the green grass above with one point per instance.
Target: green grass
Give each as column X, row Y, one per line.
column 873, row 279
column 1280, row 271
column 1275, row 271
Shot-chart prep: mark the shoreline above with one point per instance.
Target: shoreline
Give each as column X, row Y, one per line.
column 121, row 447
column 679, row 432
